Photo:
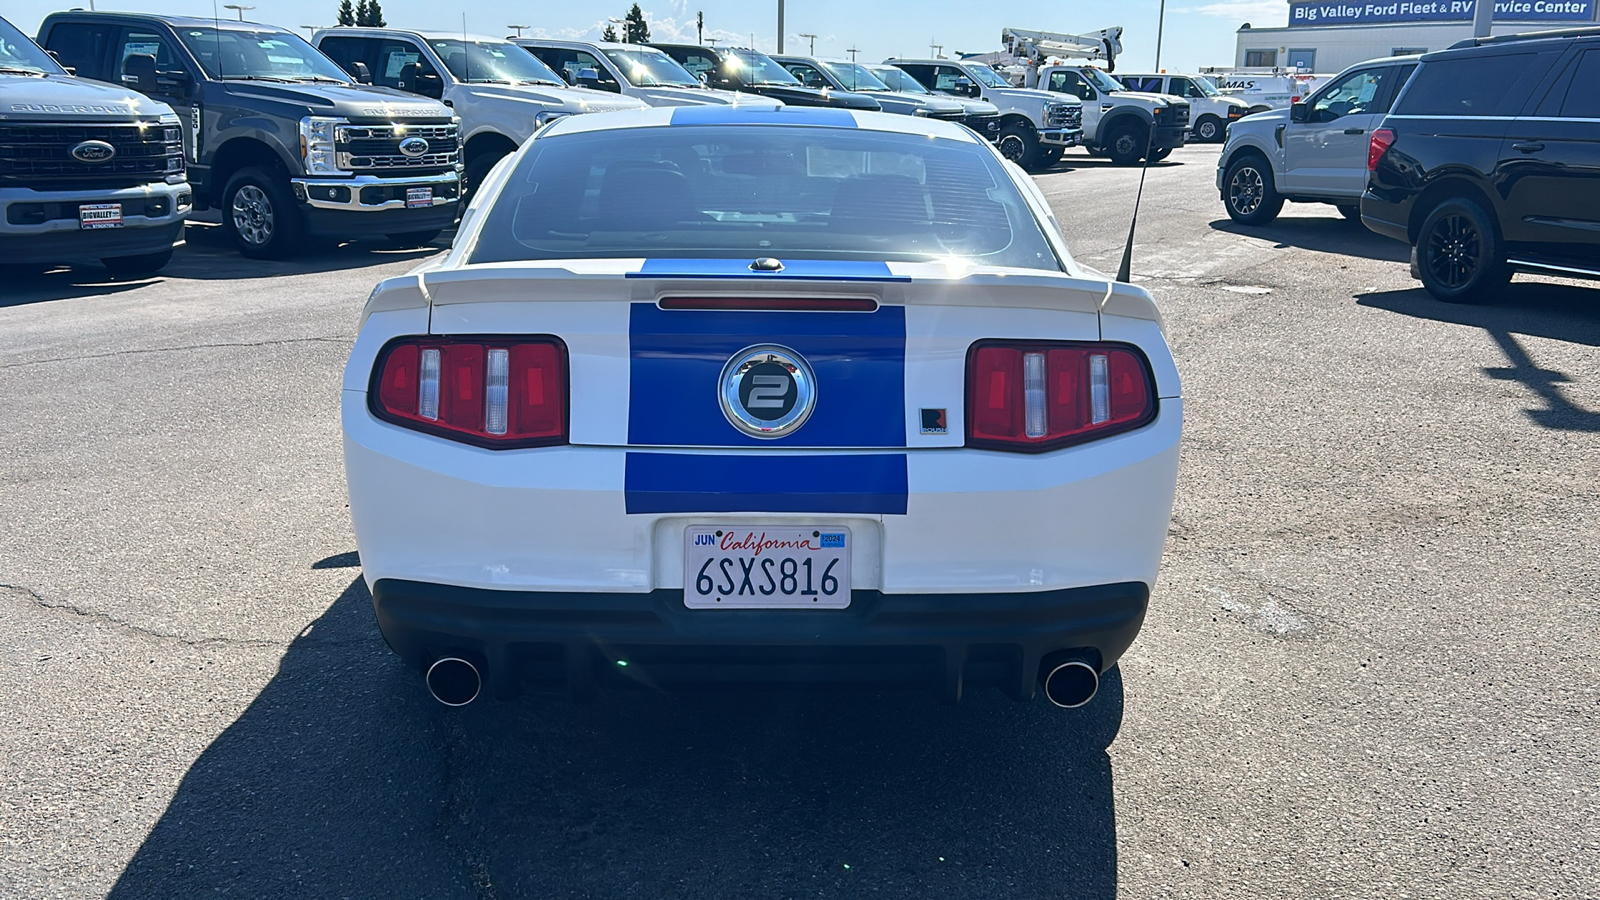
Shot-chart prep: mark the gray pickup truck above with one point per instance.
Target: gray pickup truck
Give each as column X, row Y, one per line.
column 279, row 139
column 87, row 171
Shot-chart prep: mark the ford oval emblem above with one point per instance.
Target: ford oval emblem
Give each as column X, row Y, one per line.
column 93, row 152
column 413, row 147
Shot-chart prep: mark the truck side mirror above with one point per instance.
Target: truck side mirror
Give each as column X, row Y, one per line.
column 139, row 72
column 1300, row 112
column 360, row 72
column 588, row 78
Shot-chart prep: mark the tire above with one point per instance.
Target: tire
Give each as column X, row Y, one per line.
column 1351, row 211
column 1052, row 155
column 1210, row 130
column 1158, row 155
column 1248, row 192
column 477, row 170
column 1458, row 253
column 138, row 266
column 413, row 238
column 260, row 216
column 1126, row 146
column 1020, row 144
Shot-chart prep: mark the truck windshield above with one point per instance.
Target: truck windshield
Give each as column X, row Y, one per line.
column 855, row 76
column 262, row 54
column 988, row 76
column 1100, row 80
column 647, row 67
column 18, row 54
column 758, row 68
column 745, row 191
column 493, row 62
column 898, row 80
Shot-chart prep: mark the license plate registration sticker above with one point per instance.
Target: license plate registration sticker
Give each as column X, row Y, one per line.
column 766, row 567
column 99, row 215
column 416, row 197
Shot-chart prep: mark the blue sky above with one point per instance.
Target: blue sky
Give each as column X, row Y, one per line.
column 1198, row 32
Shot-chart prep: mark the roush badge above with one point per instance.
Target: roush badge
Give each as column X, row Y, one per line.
column 93, row 152
column 767, row 391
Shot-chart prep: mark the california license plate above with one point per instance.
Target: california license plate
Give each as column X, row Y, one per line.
column 99, row 215
column 416, row 197
column 766, row 567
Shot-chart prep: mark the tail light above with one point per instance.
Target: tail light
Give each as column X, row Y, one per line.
column 1380, row 142
column 1032, row 396
column 498, row 393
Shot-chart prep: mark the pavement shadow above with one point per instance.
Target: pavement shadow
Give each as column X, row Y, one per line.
column 1558, row 312
column 344, row 779
column 1332, row 233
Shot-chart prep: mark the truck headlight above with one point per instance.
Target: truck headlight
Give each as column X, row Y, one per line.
column 316, row 144
column 922, row 111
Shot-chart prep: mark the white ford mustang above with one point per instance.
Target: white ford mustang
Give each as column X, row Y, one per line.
column 760, row 396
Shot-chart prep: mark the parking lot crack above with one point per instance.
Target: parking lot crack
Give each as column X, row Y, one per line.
column 36, row 599
column 143, row 350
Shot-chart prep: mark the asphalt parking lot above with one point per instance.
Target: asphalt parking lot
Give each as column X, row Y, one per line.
column 1370, row 667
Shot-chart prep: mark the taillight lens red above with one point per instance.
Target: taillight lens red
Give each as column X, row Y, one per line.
column 499, row 392
column 1380, row 142
column 1037, row 396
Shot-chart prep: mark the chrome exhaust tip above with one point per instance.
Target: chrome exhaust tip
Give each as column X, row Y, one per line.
column 454, row 681
column 1068, row 683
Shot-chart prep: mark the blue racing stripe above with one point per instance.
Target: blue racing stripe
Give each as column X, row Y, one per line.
column 678, row 355
column 826, row 116
column 691, row 483
column 793, row 270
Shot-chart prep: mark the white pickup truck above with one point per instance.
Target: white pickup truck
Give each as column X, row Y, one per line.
column 634, row 70
column 1210, row 111
column 502, row 93
column 1036, row 126
column 1120, row 124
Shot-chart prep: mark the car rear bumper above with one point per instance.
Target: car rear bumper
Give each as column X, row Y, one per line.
column 583, row 640
column 1383, row 217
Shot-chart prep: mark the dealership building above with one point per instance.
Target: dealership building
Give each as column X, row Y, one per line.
column 1326, row 37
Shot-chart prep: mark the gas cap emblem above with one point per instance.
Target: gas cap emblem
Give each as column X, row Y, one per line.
column 93, row 152
column 767, row 391
column 413, row 147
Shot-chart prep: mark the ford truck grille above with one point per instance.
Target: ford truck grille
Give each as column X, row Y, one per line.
column 1063, row 117
column 377, row 148
column 39, row 154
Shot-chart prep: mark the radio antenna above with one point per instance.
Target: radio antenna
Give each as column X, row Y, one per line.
column 1125, row 271
column 466, row 54
column 216, row 42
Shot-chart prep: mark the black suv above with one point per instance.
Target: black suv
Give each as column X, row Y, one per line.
column 1490, row 163
column 754, row 72
column 278, row 137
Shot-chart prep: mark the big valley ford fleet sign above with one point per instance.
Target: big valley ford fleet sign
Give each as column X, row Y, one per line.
column 1308, row 14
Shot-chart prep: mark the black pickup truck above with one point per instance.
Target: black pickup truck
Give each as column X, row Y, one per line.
column 278, row 137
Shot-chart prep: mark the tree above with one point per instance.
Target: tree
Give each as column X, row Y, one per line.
column 635, row 30
column 375, row 13
column 609, row 35
column 347, row 13
column 361, row 12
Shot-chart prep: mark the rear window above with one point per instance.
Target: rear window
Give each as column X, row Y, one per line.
column 748, row 191
column 1467, row 86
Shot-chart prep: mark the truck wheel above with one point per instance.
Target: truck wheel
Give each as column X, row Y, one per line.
column 1458, row 254
column 413, row 238
column 1209, row 129
column 1158, row 155
column 1020, row 144
column 477, row 170
column 1126, row 146
column 259, row 215
column 1248, row 192
column 1052, row 155
column 136, row 266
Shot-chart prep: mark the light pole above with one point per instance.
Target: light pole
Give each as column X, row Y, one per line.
column 1161, row 27
column 311, row 28
column 518, row 28
column 780, row 26
column 813, row 43
column 852, row 51
column 238, row 8
column 700, row 28
column 936, row 49
column 1482, row 19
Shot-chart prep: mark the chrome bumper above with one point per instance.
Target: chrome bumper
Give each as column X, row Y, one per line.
column 1065, row 137
column 315, row 191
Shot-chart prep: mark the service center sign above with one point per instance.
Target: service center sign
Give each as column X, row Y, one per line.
column 1308, row 14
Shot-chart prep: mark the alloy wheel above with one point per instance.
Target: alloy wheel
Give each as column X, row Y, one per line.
column 1453, row 251
column 252, row 215
column 1246, row 191
column 1125, row 145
